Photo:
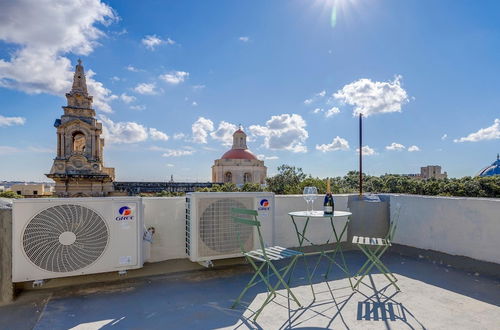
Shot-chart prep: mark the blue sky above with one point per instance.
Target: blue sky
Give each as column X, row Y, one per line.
column 172, row 79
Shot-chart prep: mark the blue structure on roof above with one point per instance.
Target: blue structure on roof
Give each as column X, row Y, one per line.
column 493, row 169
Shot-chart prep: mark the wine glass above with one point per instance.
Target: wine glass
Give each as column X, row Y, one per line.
column 310, row 195
column 306, row 197
column 314, row 195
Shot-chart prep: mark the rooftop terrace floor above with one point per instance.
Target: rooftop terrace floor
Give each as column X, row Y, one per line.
column 433, row 296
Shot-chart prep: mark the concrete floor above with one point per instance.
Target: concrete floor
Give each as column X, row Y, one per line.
column 433, row 296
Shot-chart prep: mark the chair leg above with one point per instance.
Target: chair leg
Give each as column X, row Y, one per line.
column 280, row 280
column 374, row 261
column 272, row 289
column 378, row 264
column 309, row 276
column 249, row 285
column 369, row 264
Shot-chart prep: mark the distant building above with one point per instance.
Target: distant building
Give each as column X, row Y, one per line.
column 429, row 172
column 32, row 189
column 239, row 165
column 78, row 168
column 493, row 169
column 136, row 188
column 432, row 172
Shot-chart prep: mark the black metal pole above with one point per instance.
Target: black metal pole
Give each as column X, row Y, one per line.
column 360, row 155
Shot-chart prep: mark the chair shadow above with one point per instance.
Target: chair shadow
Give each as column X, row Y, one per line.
column 382, row 306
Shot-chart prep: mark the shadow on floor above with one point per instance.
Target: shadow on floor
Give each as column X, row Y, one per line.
column 202, row 300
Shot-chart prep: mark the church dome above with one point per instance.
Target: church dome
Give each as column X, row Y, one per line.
column 239, row 149
column 493, row 169
column 238, row 154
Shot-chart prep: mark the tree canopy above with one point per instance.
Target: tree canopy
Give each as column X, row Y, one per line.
column 291, row 180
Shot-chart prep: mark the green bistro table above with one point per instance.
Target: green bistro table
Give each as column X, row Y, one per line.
column 333, row 238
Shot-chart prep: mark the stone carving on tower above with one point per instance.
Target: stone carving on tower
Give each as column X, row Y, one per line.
column 239, row 165
column 78, row 168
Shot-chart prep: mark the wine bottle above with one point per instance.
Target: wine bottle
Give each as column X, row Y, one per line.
column 328, row 204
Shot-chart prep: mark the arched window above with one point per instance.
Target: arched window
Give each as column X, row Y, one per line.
column 79, row 142
column 228, row 177
column 247, row 177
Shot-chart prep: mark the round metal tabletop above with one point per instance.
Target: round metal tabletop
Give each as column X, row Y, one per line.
column 319, row 214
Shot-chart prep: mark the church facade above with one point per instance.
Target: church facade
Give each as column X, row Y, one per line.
column 239, row 165
column 78, row 169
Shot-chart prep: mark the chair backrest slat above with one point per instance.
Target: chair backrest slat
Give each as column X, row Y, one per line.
column 246, row 221
column 244, row 211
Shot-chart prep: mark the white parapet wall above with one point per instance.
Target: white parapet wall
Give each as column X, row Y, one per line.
column 167, row 215
column 458, row 226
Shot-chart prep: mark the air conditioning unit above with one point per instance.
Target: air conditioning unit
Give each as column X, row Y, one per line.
column 210, row 231
column 59, row 237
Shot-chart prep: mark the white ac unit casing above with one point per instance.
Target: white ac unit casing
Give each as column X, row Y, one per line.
column 59, row 237
column 211, row 232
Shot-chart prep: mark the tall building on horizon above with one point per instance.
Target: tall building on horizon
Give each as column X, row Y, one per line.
column 78, row 169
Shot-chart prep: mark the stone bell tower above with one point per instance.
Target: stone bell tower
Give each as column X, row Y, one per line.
column 78, row 168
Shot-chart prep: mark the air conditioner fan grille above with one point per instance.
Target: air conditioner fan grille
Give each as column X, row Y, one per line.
column 65, row 238
column 219, row 232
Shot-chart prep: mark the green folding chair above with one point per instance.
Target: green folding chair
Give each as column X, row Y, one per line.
column 374, row 248
column 265, row 256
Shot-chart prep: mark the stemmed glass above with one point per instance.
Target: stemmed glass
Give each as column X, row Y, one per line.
column 310, row 194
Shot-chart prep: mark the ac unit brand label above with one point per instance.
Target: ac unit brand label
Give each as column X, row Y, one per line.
column 264, row 205
column 125, row 213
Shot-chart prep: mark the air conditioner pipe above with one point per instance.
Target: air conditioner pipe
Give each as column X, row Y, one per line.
column 147, row 241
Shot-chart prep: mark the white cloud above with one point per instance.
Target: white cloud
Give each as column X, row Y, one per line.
column 123, row 132
column 489, row 133
column 132, row 68
column 444, row 137
column 101, row 95
column 170, row 165
column 174, row 77
column 315, row 97
column 198, row 87
column 331, row 112
column 328, row 113
column 146, row 89
column 115, row 78
column 224, row 133
column 283, row 132
column 138, row 107
column 179, row 136
column 194, row 104
column 152, row 41
column 177, row 152
column 200, row 128
column 338, row 143
column 5, row 150
column 127, row 98
column 372, row 97
column 367, row 151
column 157, row 135
column 264, row 157
column 395, row 146
column 244, row 39
column 39, row 65
column 11, row 121
column 413, row 148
